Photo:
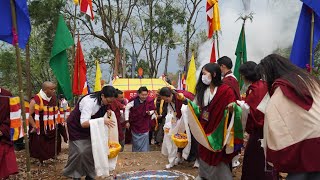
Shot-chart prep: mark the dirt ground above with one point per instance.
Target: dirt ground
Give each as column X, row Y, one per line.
column 127, row 161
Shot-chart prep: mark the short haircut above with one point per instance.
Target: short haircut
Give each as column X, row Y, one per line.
column 141, row 89
column 165, row 91
column 225, row 60
column 248, row 70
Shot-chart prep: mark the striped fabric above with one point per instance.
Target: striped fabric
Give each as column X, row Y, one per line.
column 16, row 125
column 62, row 118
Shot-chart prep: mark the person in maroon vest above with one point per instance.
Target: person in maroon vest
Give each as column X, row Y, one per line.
column 8, row 163
column 42, row 138
column 229, row 79
column 80, row 161
column 254, row 161
column 175, row 99
column 138, row 114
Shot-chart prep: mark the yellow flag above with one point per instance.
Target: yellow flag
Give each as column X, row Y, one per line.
column 97, row 85
column 191, row 77
column 76, row 2
column 216, row 15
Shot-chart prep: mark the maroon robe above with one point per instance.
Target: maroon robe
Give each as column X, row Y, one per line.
column 8, row 163
column 116, row 106
column 233, row 83
column 254, row 159
column 304, row 155
column 138, row 118
column 220, row 101
column 42, row 146
column 178, row 103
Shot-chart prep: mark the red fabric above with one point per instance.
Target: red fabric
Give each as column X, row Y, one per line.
column 254, row 95
column 288, row 90
column 8, row 163
column 84, row 7
column 5, row 116
column 223, row 97
column 209, row 21
column 80, row 71
column 233, row 83
column 213, row 54
column 299, row 157
column 178, row 103
column 139, row 120
column 116, row 106
column 42, row 146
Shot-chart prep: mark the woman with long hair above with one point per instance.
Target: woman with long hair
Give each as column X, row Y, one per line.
column 254, row 160
column 213, row 98
column 80, row 161
column 292, row 122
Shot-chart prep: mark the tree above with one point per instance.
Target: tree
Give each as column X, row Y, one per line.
column 153, row 30
column 111, row 21
column 192, row 8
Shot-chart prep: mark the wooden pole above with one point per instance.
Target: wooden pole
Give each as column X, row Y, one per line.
column 23, row 110
column 311, row 41
column 29, row 85
column 218, row 49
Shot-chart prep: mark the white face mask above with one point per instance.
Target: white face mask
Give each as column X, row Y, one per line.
column 206, row 79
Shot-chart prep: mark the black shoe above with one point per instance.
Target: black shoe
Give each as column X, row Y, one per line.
column 89, row 178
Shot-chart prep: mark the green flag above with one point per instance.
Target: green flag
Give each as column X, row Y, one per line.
column 241, row 53
column 59, row 58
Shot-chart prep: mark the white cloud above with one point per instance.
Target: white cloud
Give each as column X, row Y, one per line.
column 273, row 27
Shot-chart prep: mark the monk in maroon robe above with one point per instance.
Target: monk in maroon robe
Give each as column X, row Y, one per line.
column 8, row 163
column 254, row 161
column 42, row 139
column 229, row 79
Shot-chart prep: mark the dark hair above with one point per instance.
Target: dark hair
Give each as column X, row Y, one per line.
column 118, row 92
column 165, row 91
column 107, row 91
column 275, row 66
column 225, row 60
column 247, row 70
column 141, row 89
column 212, row 68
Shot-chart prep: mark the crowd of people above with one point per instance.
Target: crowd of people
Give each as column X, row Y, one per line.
column 280, row 114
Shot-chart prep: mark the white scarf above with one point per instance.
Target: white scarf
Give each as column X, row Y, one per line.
column 44, row 96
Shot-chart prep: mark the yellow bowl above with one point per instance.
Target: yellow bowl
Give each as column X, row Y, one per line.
column 114, row 149
column 180, row 143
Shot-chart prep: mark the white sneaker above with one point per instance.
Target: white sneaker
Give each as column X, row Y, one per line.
column 196, row 164
column 235, row 161
column 178, row 160
column 168, row 166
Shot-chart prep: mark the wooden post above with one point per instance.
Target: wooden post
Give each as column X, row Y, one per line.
column 29, row 84
column 218, row 49
column 23, row 110
column 311, row 41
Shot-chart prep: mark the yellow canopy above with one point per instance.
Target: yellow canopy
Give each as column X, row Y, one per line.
column 134, row 84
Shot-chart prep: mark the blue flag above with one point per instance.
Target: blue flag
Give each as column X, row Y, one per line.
column 7, row 32
column 300, row 53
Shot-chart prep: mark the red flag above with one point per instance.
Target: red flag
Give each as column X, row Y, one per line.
column 209, row 10
column 80, row 71
column 213, row 54
column 86, row 7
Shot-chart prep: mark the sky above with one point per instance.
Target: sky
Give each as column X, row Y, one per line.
column 273, row 26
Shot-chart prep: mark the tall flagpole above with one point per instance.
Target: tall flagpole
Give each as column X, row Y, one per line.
column 311, row 41
column 23, row 110
column 218, row 49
